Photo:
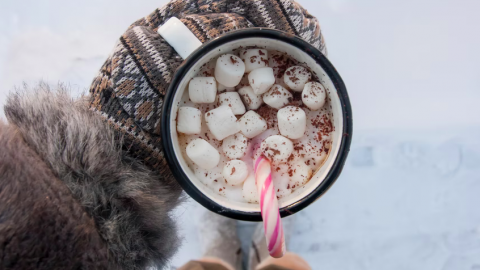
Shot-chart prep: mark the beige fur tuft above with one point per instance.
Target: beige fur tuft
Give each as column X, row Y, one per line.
column 129, row 203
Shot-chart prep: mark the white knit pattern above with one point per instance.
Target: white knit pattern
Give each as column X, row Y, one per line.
column 264, row 12
column 159, row 60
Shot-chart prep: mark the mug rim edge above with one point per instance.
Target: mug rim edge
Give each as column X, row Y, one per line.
column 320, row 59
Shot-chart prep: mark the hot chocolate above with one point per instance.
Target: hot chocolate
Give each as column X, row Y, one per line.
column 248, row 103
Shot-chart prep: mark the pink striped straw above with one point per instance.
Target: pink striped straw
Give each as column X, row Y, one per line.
column 272, row 222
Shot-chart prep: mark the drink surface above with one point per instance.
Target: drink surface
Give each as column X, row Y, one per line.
column 309, row 151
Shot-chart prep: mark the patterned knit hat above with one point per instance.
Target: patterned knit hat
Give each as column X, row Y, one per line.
column 129, row 89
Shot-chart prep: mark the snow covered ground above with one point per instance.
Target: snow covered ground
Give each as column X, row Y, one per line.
column 405, row 200
column 408, row 197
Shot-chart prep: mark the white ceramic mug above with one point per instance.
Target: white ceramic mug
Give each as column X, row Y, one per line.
column 197, row 54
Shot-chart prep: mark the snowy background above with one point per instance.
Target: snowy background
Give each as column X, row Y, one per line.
column 410, row 193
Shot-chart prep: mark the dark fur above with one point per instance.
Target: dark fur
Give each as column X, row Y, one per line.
column 129, row 203
column 41, row 225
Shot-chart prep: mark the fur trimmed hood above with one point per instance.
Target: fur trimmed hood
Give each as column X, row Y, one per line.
column 129, row 203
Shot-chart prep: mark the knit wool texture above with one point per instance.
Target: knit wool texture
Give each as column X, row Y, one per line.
column 128, row 91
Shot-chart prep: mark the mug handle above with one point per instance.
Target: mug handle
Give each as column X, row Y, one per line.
column 177, row 35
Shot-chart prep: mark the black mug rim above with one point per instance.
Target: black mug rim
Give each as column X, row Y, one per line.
column 301, row 44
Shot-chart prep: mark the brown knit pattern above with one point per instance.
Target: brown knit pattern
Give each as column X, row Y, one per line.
column 129, row 89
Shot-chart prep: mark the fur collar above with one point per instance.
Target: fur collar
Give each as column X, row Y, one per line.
column 130, row 204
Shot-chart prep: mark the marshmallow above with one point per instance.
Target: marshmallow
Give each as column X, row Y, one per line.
column 207, row 176
column 221, row 122
column 189, row 120
column 202, row 89
column 222, row 88
column 300, row 173
column 229, row 70
column 250, row 99
column 281, row 180
column 314, row 96
column 254, row 58
column 278, row 61
column 292, row 122
column 261, row 79
column 250, row 192
column 277, row 148
column 232, row 100
column 296, row 77
column 251, row 124
column 277, row 97
column 203, row 154
column 235, row 172
column 235, row 146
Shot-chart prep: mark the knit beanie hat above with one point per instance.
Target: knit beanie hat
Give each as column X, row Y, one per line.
column 129, row 89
